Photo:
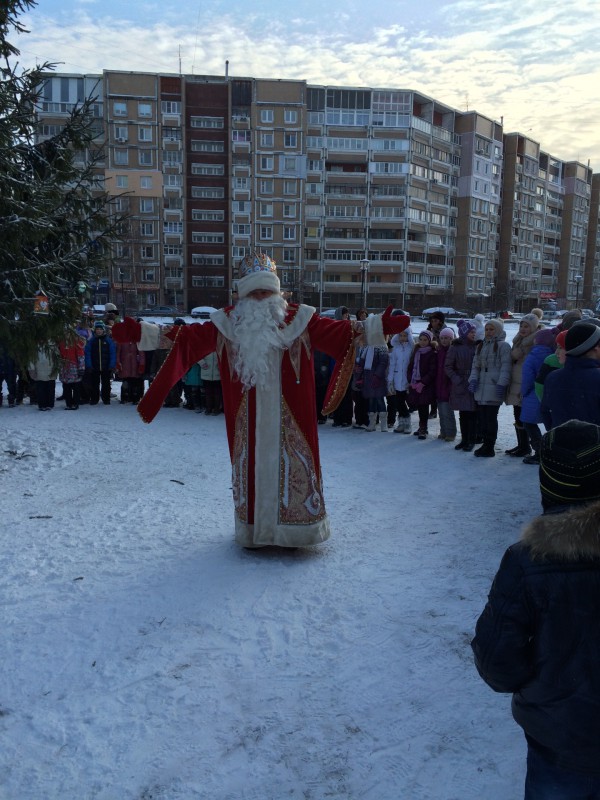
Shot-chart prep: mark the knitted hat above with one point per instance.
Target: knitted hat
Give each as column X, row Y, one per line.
column 532, row 320
column 428, row 334
column 545, row 337
column 257, row 271
column 465, row 326
column 99, row 324
column 570, row 464
column 447, row 332
column 560, row 339
column 570, row 318
column 581, row 337
column 497, row 323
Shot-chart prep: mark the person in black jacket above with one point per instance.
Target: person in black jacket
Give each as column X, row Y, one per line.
column 539, row 634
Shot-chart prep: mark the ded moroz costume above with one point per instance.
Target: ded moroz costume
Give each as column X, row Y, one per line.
column 271, row 422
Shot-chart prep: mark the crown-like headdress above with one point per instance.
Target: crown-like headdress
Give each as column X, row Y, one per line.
column 256, row 262
column 257, row 271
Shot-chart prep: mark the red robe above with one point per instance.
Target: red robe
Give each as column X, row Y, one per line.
column 272, row 433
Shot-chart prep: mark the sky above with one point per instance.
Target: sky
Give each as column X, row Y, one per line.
column 535, row 64
column 145, row 656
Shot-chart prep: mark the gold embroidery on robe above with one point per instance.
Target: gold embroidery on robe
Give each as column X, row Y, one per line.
column 239, row 461
column 300, row 487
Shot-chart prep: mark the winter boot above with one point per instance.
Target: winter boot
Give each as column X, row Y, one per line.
column 534, row 458
column 422, row 433
column 383, row 423
column 486, row 450
column 372, row 421
column 399, row 427
column 522, row 448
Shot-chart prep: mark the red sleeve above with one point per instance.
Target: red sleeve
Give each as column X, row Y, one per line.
column 396, row 324
column 192, row 343
column 336, row 339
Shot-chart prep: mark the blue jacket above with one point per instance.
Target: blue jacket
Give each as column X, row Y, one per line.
column 100, row 353
column 572, row 392
column 530, row 405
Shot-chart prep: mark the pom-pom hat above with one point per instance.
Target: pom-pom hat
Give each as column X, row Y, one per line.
column 465, row 326
column 257, row 271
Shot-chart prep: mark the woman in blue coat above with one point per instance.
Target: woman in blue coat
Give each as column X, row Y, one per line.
column 531, row 415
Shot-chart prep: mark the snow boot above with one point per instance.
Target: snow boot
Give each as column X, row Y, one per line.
column 383, row 423
column 522, row 448
column 486, row 450
column 372, row 421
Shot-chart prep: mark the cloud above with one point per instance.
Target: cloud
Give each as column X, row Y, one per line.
column 535, row 65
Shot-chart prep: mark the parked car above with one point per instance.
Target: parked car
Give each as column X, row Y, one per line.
column 447, row 311
column 167, row 311
column 202, row 312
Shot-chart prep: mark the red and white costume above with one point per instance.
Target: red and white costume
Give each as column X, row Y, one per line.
column 272, row 432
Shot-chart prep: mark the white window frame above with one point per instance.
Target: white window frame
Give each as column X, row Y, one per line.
column 145, row 110
column 266, row 115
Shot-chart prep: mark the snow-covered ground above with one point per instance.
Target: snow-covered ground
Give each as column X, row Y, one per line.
column 146, row 657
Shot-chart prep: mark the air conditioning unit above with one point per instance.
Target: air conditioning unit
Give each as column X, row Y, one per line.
column 120, row 139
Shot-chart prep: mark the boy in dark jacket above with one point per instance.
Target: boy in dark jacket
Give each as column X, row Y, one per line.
column 539, row 634
column 100, row 361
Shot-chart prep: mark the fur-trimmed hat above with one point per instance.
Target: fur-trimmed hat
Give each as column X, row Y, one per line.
column 570, row 464
column 581, row 337
column 497, row 323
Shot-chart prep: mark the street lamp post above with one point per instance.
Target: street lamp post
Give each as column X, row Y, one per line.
column 364, row 273
column 491, row 296
column 577, row 279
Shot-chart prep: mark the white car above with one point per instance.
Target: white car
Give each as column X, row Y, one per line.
column 202, row 312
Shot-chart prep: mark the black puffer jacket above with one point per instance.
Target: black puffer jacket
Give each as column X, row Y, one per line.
column 539, row 636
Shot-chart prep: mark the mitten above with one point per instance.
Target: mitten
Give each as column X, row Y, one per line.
column 418, row 387
column 127, row 331
column 473, row 386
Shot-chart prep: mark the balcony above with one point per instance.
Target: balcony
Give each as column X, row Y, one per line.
column 172, row 191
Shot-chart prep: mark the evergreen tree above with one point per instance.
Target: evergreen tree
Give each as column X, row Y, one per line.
column 55, row 225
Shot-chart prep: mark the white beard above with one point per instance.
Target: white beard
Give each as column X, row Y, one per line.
column 257, row 334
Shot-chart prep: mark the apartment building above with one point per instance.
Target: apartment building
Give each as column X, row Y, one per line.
column 591, row 284
column 361, row 195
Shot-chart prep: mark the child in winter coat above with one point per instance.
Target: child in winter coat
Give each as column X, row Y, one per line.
column 458, row 365
column 100, row 360
column 442, row 388
column 488, row 381
column 521, row 347
column 72, row 368
column 43, row 371
column 422, row 371
column 397, row 377
column 531, row 414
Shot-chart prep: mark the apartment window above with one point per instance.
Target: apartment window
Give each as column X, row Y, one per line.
column 290, row 116
column 198, row 281
column 144, row 109
column 241, row 206
column 208, row 192
column 146, row 228
column 123, row 251
column 289, row 255
column 290, row 140
column 266, row 139
column 207, row 215
column 119, row 108
column 145, row 158
column 266, row 186
column 207, row 260
column 289, row 210
column 172, row 157
column 145, row 182
column 241, row 230
column 122, row 182
column 241, row 136
column 289, row 232
column 121, row 157
column 199, row 146
column 289, row 164
column 266, row 163
column 146, row 205
column 315, row 165
column 266, row 231
column 173, row 180
column 241, row 183
column 266, row 115
column 171, row 134
column 173, row 227
column 208, row 122
column 149, row 275
column 208, row 169
column 266, row 209
column 171, row 107
column 290, row 187
column 203, row 237
column 121, row 133
column 144, row 134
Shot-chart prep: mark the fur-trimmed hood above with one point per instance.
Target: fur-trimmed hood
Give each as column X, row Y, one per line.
column 573, row 535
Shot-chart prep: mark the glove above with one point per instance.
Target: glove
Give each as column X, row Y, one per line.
column 473, row 386
column 391, row 390
column 418, row 387
column 500, row 391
